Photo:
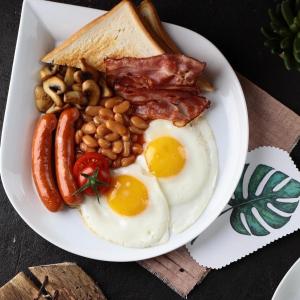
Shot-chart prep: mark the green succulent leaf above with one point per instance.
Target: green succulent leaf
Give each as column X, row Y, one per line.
column 273, row 44
column 270, row 196
column 278, row 10
column 287, row 12
column 282, row 36
column 279, row 29
column 296, row 44
column 276, row 18
column 286, row 43
column 295, row 25
column 268, row 33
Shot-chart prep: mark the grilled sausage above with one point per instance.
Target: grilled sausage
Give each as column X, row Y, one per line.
column 42, row 163
column 65, row 156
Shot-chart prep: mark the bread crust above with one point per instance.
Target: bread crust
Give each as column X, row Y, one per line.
column 149, row 13
column 56, row 57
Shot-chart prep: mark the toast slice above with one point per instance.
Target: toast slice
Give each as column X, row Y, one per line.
column 119, row 33
column 150, row 16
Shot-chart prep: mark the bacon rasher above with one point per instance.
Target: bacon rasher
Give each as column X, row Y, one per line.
column 160, row 87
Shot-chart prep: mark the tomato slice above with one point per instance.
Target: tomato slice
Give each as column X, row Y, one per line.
column 90, row 164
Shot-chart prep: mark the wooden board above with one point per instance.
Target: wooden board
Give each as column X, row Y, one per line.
column 19, row 288
column 67, row 280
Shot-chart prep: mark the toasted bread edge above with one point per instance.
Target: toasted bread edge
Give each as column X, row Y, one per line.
column 149, row 13
column 50, row 57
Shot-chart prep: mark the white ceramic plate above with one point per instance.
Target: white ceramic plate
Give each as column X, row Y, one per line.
column 288, row 288
column 43, row 24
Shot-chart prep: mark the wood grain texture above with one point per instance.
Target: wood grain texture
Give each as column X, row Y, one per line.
column 19, row 288
column 69, row 280
column 177, row 269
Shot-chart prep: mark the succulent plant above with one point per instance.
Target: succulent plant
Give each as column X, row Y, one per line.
column 283, row 34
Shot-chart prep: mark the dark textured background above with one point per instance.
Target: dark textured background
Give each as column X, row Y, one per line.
column 233, row 26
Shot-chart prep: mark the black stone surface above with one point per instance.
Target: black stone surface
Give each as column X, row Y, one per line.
column 234, row 27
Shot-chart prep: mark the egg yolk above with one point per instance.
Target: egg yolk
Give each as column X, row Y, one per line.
column 128, row 197
column 165, row 156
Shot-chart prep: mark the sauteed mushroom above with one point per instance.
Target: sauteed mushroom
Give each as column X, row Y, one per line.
column 77, row 87
column 60, row 76
column 78, row 106
column 85, row 67
column 80, row 76
column 42, row 100
column 75, row 97
column 106, row 91
column 62, row 70
column 53, row 108
column 69, row 76
column 54, row 87
column 92, row 91
column 48, row 71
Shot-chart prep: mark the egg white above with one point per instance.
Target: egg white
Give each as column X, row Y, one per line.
column 148, row 228
column 189, row 191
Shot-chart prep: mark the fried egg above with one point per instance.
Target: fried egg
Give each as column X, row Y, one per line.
column 184, row 161
column 134, row 213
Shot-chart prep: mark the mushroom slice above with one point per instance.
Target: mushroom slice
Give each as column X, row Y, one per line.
column 62, row 70
column 48, row 71
column 106, row 91
column 77, row 87
column 42, row 100
column 75, row 97
column 92, row 91
column 54, row 86
column 69, row 76
column 53, row 108
column 85, row 67
column 80, row 76
column 60, row 76
column 78, row 106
